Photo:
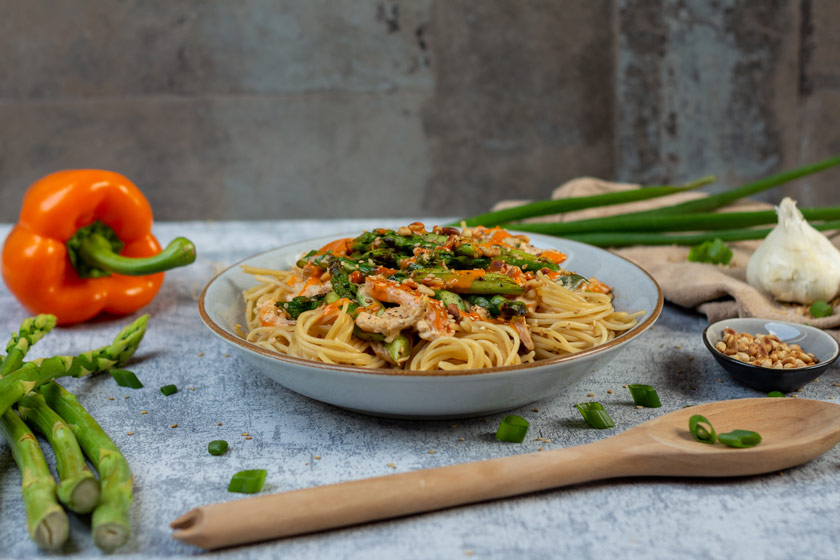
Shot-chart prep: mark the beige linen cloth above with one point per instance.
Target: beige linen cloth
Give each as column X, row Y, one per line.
column 718, row 291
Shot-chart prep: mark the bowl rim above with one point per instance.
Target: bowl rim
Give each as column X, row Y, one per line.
column 294, row 360
column 808, row 328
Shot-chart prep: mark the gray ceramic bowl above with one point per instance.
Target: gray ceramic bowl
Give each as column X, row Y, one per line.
column 810, row 339
column 435, row 394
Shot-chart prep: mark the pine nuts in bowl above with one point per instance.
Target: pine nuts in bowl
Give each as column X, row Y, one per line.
column 770, row 355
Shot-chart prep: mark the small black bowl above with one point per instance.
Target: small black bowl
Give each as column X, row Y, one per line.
column 810, row 339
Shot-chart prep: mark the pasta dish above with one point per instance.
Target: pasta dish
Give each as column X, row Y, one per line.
column 443, row 299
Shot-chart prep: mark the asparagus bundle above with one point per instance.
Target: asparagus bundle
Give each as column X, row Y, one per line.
column 79, row 490
column 643, row 227
column 45, row 519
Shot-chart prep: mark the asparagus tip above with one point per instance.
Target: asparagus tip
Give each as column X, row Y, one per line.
column 110, row 536
column 52, row 530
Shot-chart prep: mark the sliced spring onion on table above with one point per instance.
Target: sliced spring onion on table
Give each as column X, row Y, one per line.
column 125, row 378
column 700, row 432
column 644, row 395
column 775, row 394
column 740, row 438
column 595, row 415
column 169, row 390
column 217, row 447
column 513, row 429
column 820, row 309
column 248, row 482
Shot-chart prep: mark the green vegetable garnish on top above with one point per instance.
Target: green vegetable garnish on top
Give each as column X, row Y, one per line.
column 821, row 309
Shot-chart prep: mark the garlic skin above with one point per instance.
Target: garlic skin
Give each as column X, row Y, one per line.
column 795, row 263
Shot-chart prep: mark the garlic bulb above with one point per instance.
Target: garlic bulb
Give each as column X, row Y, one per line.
column 795, row 262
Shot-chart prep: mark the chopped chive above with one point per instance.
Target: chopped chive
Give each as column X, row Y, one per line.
column 700, row 432
column 125, row 378
column 644, row 395
column 740, row 438
column 820, row 309
column 217, row 447
column 775, row 394
column 595, row 415
column 169, row 390
column 247, row 482
column 512, row 428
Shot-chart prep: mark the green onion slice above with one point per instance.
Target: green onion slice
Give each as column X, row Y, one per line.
column 217, row 447
column 821, row 309
column 125, row 378
column 700, row 432
column 715, row 252
column 169, row 390
column 644, row 395
column 775, row 394
column 247, row 482
column 740, row 438
column 595, row 415
column 512, row 428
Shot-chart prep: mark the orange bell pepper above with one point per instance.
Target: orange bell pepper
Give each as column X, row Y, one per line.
column 83, row 245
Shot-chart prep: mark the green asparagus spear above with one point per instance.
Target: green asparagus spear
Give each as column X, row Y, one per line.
column 45, row 519
column 31, row 331
column 111, row 521
column 490, row 283
column 78, row 488
column 15, row 385
column 399, row 349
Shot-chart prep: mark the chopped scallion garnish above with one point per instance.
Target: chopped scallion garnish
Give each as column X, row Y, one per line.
column 740, row 438
column 247, row 482
column 715, row 252
column 595, row 415
column 700, row 432
column 169, row 390
column 125, row 378
column 217, row 447
column 512, row 428
column 775, row 394
column 820, row 309
column 644, row 395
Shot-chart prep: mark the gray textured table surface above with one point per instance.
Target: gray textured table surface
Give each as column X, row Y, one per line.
column 302, row 443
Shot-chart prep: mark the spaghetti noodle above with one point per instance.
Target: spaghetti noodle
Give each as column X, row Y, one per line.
column 440, row 300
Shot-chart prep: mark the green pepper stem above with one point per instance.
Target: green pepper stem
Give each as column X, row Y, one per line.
column 97, row 252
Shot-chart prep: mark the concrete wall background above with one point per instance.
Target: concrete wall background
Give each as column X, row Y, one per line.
column 254, row 109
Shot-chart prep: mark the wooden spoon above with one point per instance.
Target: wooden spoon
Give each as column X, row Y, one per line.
column 793, row 431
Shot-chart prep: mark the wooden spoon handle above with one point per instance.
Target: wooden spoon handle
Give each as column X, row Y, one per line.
column 348, row 503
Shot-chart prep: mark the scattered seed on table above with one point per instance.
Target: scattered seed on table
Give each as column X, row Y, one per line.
column 392, row 465
column 125, row 397
column 536, row 410
column 431, row 451
column 200, row 354
column 218, row 423
column 837, row 385
column 691, row 358
column 191, row 388
column 173, row 425
column 639, row 406
column 248, row 437
column 590, row 394
column 460, row 439
column 226, row 355
column 131, row 433
column 316, row 456
column 719, row 380
column 609, row 391
column 625, row 386
column 541, row 448
column 245, row 433
column 547, row 440
column 677, row 346
column 539, row 439
column 144, row 412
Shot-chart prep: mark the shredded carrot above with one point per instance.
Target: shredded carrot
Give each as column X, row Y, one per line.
column 338, row 247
